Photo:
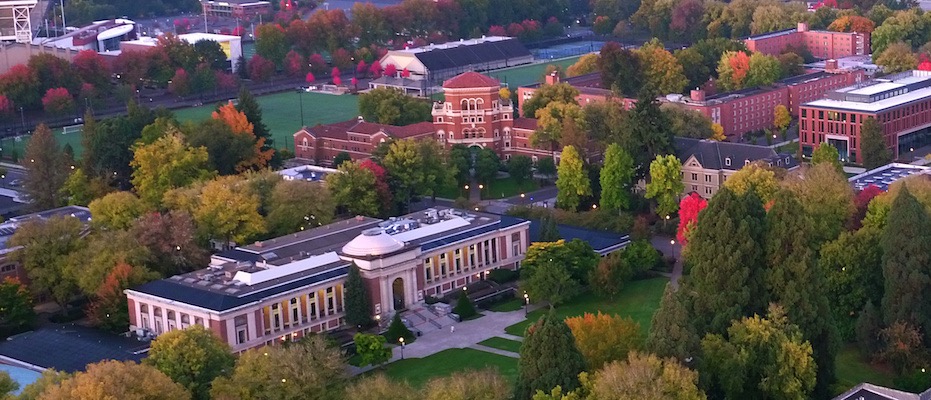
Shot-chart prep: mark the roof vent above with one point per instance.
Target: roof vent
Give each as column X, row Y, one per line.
column 360, row 119
column 258, row 243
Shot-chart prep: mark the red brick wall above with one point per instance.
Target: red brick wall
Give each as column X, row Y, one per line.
column 259, row 324
column 219, row 327
column 374, row 289
column 132, row 312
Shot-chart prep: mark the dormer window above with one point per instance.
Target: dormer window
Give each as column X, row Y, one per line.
column 787, row 160
column 727, row 162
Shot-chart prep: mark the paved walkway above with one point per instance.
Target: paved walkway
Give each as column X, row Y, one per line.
column 512, row 337
column 494, row 350
column 665, row 245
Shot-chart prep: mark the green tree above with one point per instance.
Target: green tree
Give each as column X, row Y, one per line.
column 906, row 245
column 295, row 204
column 616, row 177
column 227, row 211
column 358, row 312
column 764, row 70
column 7, row 385
column 166, row 164
column 116, row 210
column 549, row 282
column 585, row 65
column 116, row 380
column 192, row 357
column 341, row 158
column 897, row 57
column 650, row 133
column 546, row 166
column 371, row 348
column 726, row 259
column 873, row 148
column 549, row 230
column 548, row 358
column 520, row 168
column 572, row 180
column 404, row 164
column 487, row 165
column 620, row 69
column 610, row 274
column 42, row 249
column 393, row 107
column 665, row 184
column 546, row 94
column 646, row 376
column 47, row 170
column 827, row 198
column 826, row 153
column 484, row 384
column 688, row 123
column 852, row 267
column 354, row 189
column 576, row 257
column 247, row 104
column 793, row 281
column 460, row 157
column 80, row 189
column 760, row 358
column 464, row 307
column 88, row 138
column 16, row 314
column 397, row 330
column 662, row 71
column 672, row 332
column 438, row 173
column 281, row 373
column 271, row 43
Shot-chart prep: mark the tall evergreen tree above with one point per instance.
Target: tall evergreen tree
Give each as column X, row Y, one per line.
column 616, row 176
column 571, row 180
column 906, row 244
column 726, row 257
column 358, row 312
column 548, row 358
column 793, row 281
column 88, row 136
column 549, row 231
column 47, row 170
column 873, row 147
column 247, row 104
column 672, row 333
column 650, row 131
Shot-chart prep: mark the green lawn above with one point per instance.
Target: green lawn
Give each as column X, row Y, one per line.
column 852, row 370
column 528, row 74
column 638, row 300
column 502, row 343
column 418, row 371
column 7, row 145
column 510, row 305
column 508, row 187
column 281, row 112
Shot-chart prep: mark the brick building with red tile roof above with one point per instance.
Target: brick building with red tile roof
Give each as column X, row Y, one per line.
column 320, row 144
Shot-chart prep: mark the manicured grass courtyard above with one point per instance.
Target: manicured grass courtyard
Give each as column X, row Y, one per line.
column 510, row 305
column 508, row 187
column 281, row 112
column 638, row 300
column 502, row 343
column 528, row 74
column 852, row 370
column 418, row 371
column 7, row 145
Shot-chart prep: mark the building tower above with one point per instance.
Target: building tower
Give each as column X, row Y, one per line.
column 474, row 114
column 14, row 20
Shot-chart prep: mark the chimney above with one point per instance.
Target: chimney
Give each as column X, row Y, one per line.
column 830, row 65
column 697, row 95
column 552, row 78
column 802, row 27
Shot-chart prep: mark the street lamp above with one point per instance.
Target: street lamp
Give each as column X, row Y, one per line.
column 673, row 243
column 300, row 96
column 402, row 347
column 526, row 304
column 594, row 206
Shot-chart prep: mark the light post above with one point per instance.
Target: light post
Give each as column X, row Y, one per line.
column 526, row 304
column 22, row 115
column 594, row 206
column 673, row 243
column 481, row 187
column 466, row 187
column 402, row 347
column 300, row 96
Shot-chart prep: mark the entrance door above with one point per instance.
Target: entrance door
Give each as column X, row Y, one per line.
column 397, row 289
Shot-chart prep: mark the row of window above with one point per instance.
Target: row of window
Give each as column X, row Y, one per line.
column 170, row 319
column 302, row 309
column 440, row 267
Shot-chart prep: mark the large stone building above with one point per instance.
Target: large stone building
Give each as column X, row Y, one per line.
column 900, row 102
column 821, row 44
column 284, row 288
column 706, row 164
column 239, row 9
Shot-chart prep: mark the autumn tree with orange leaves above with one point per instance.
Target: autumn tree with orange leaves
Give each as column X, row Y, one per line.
column 852, row 23
column 109, row 309
column 602, row 338
column 240, row 125
column 733, row 69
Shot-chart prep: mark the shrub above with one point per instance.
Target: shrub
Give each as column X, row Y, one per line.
column 464, row 307
column 502, row 275
column 397, row 330
column 599, row 220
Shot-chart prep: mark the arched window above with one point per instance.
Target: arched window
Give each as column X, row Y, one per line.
column 465, row 104
column 304, row 142
column 480, row 104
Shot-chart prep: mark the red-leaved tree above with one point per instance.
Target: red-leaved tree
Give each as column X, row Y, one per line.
column 91, row 68
column 354, row 81
column 57, row 101
column 334, row 74
column 294, row 64
column 923, row 63
column 689, row 208
column 405, row 73
column 310, row 78
column 6, row 106
column 361, row 67
column 261, row 69
column 381, row 183
column 180, row 83
column 375, row 70
column 316, row 63
column 391, row 70
column 497, row 30
column 862, row 203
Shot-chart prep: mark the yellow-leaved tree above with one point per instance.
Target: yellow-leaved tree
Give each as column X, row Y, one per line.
column 602, row 338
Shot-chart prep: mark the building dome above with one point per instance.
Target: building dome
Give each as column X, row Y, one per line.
column 372, row 242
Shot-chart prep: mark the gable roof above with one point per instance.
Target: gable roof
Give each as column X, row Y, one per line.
column 471, row 54
column 869, row 391
column 471, row 80
column 713, row 154
column 341, row 130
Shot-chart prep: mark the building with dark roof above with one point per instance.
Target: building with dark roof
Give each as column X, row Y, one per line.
column 706, row 164
column 602, row 242
column 869, row 391
column 11, row 269
column 821, row 44
column 322, row 143
column 68, row 348
column 287, row 287
column 435, row 63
